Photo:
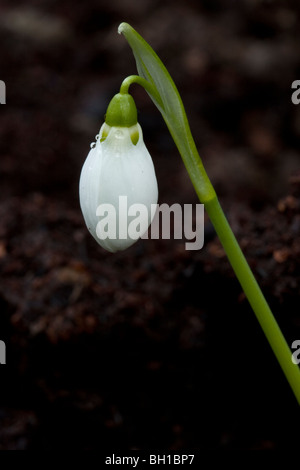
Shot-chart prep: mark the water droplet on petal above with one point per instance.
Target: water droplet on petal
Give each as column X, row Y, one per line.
column 93, row 144
column 97, row 136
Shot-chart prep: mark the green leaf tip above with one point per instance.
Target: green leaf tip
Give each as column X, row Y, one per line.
column 122, row 27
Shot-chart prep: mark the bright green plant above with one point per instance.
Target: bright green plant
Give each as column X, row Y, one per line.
column 121, row 120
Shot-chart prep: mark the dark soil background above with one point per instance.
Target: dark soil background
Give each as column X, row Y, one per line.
column 154, row 347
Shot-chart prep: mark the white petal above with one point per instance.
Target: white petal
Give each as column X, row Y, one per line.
column 113, row 168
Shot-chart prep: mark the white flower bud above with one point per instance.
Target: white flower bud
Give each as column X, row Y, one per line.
column 118, row 166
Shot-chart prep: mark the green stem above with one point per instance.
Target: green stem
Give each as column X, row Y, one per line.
column 254, row 295
column 124, row 89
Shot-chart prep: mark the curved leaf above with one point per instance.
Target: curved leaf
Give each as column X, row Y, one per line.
column 151, row 68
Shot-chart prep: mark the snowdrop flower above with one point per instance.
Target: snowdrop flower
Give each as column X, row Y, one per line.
column 118, row 188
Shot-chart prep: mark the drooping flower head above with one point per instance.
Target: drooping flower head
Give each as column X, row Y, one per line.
column 118, row 184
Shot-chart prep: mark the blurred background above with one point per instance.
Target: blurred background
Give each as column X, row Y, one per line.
column 154, row 347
